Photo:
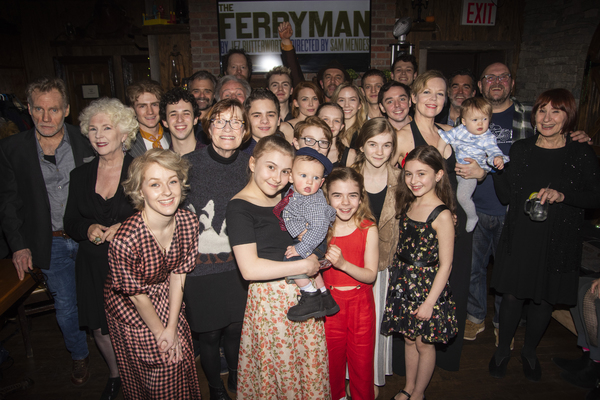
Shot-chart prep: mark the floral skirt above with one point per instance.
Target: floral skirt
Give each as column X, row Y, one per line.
column 280, row 359
column 409, row 287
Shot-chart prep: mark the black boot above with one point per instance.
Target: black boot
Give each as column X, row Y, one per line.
column 232, row 380
column 329, row 304
column 574, row 365
column 218, row 393
column 309, row 306
column 111, row 390
column 585, row 378
column 594, row 394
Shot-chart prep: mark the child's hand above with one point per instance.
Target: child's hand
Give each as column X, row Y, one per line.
column 499, row 162
column 424, row 312
column 334, row 255
column 301, row 235
column 291, row 252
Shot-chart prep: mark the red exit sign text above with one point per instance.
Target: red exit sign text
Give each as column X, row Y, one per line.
column 478, row 12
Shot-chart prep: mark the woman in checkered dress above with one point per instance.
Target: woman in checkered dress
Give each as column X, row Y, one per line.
column 149, row 258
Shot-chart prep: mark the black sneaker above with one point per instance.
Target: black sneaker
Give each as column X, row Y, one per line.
column 329, row 304
column 309, row 306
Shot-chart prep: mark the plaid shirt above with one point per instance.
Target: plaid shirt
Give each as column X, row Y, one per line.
column 521, row 127
column 468, row 145
column 311, row 213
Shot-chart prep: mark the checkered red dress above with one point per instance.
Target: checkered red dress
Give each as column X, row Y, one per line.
column 138, row 266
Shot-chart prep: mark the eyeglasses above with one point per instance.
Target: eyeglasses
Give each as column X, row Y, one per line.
column 493, row 78
column 323, row 144
column 233, row 123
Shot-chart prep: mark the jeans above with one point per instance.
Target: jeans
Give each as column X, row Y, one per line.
column 485, row 242
column 60, row 278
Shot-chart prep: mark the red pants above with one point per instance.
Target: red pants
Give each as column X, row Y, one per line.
column 350, row 336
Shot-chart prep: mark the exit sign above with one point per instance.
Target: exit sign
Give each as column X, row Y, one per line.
column 478, row 12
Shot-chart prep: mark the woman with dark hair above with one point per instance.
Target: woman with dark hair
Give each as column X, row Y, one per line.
column 96, row 208
column 279, row 358
column 216, row 293
column 548, row 183
column 305, row 101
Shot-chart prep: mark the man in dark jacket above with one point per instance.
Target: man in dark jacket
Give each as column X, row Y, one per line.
column 34, row 186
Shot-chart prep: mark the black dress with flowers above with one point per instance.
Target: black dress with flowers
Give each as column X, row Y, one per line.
column 411, row 275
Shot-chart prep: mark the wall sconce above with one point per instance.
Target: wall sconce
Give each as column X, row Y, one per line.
column 419, row 5
column 176, row 61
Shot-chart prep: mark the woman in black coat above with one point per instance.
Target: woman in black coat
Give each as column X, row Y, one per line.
column 95, row 210
column 538, row 261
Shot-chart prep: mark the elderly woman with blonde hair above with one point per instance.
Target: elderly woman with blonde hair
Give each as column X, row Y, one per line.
column 149, row 259
column 95, row 210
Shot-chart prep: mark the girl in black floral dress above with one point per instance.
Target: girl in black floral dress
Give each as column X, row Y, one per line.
column 419, row 301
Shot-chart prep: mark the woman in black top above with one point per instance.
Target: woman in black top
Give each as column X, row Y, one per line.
column 95, row 210
column 429, row 92
column 538, row 261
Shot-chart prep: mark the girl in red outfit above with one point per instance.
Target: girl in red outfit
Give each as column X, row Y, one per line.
column 354, row 253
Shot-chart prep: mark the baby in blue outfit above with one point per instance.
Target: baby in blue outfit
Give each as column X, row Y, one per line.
column 473, row 139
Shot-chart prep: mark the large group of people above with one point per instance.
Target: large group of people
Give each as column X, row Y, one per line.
column 297, row 232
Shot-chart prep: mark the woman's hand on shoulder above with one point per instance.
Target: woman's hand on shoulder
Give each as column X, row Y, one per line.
column 581, row 137
column 110, row 233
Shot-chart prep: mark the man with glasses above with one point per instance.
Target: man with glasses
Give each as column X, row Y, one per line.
column 511, row 121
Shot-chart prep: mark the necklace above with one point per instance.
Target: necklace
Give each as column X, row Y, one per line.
column 163, row 248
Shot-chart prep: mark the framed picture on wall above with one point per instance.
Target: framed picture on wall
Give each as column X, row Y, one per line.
column 323, row 31
column 90, row 91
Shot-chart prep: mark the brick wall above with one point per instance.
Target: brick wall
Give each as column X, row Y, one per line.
column 205, row 36
column 555, row 41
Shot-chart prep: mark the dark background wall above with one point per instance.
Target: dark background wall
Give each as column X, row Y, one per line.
column 545, row 42
column 556, row 37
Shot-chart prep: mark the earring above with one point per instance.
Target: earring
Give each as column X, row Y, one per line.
column 124, row 147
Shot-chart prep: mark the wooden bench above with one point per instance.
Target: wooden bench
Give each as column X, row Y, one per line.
column 13, row 291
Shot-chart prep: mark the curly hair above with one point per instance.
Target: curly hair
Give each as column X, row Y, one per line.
column 174, row 96
column 165, row 158
column 121, row 116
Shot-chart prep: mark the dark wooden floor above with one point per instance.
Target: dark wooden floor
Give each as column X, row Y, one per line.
column 50, row 368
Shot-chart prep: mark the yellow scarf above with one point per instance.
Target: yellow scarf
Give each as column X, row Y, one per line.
column 155, row 139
